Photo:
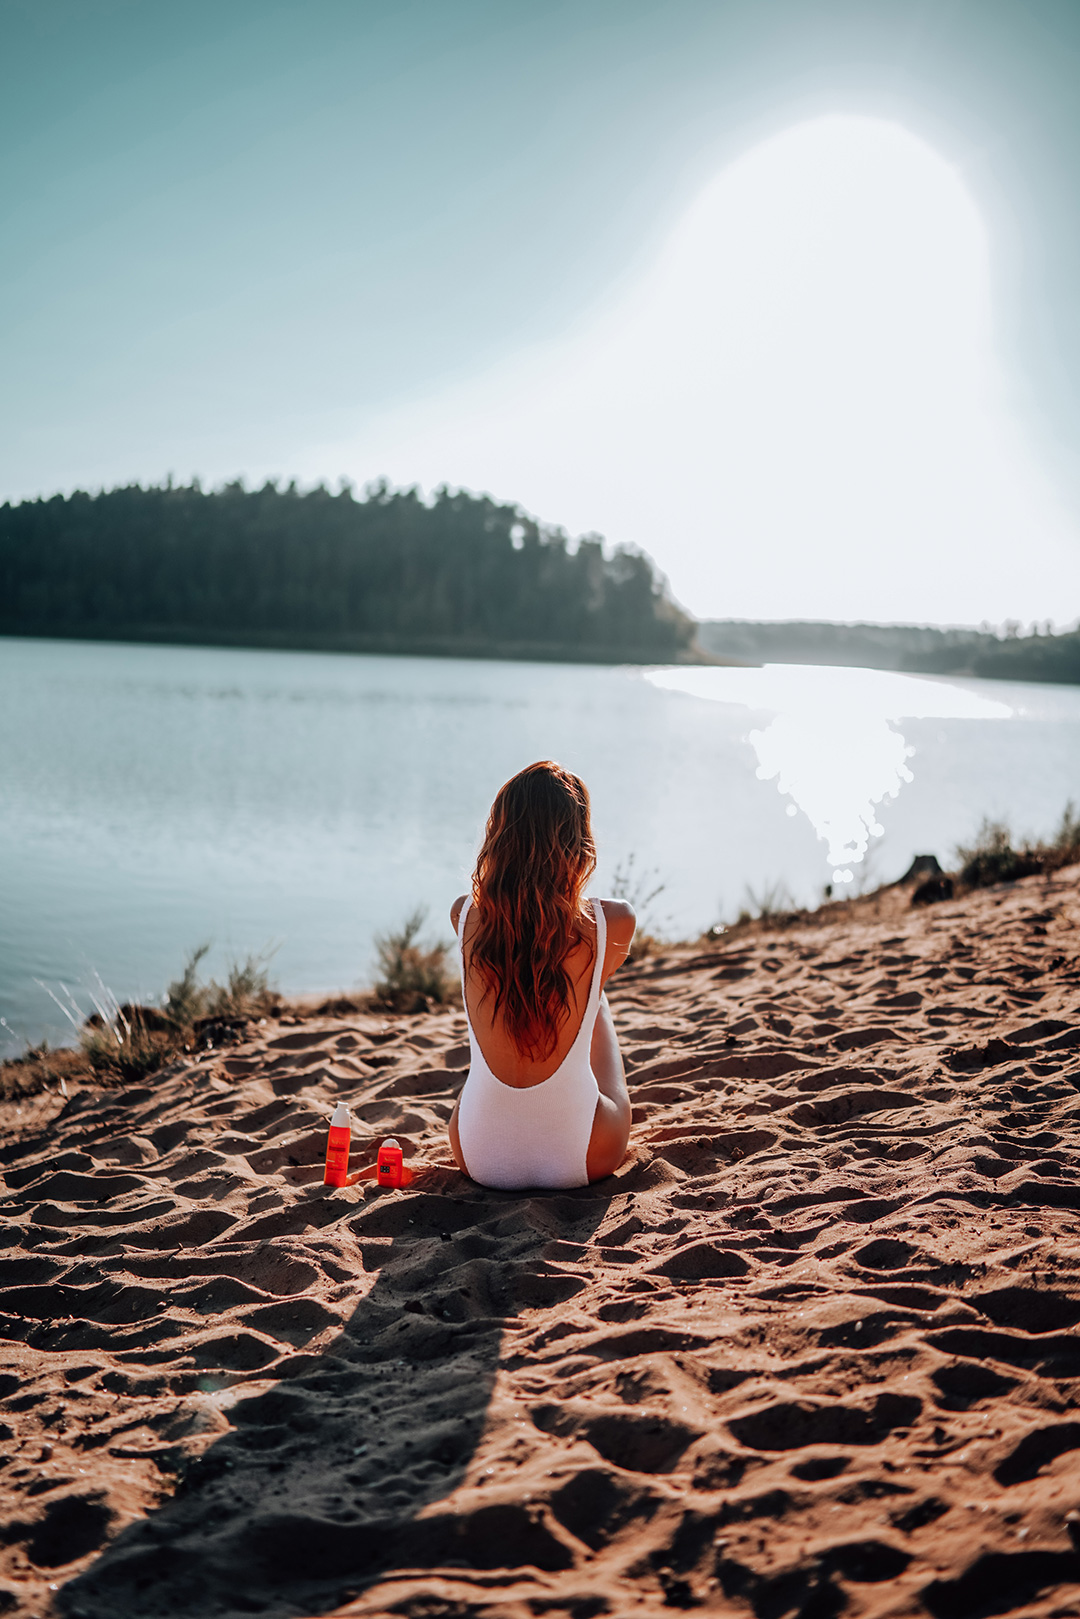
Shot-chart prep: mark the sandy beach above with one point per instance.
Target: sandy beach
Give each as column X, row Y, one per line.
column 811, row 1351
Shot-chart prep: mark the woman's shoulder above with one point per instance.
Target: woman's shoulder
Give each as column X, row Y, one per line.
column 455, row 910
column 619, row 914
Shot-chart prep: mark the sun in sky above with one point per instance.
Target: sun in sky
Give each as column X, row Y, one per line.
column 797, row 410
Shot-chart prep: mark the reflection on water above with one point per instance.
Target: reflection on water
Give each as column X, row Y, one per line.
column 155, row 797
column 836, row 775
column 833, row 746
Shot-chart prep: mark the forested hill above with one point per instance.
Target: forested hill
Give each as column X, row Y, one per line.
column 277, row 568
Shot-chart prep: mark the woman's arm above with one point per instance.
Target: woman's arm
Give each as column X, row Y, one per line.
column 455, row 1139
column 452, row 1129
column 621, row 926
column 611, row 1124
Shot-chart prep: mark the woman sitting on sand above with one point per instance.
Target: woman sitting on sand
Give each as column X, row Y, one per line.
column 545, row 1102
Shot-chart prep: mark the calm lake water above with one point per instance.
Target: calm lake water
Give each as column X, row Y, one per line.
column 152, row 798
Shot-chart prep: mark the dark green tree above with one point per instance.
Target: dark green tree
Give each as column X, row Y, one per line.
column 276, row 567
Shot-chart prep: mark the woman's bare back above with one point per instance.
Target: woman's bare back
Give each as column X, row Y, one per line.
column 611, row 1123
column 502, row 1055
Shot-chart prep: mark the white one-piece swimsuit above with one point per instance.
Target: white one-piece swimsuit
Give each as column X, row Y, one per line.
column 539, row 1136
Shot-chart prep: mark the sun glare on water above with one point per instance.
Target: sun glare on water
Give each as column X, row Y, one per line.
column 833, row 746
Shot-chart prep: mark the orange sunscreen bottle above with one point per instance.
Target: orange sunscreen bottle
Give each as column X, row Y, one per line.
column 337, row 1148
column 390, row 1164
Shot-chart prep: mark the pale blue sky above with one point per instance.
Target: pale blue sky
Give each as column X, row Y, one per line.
column 232, row 231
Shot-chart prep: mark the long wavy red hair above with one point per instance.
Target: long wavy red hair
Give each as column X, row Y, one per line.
column 538, row 854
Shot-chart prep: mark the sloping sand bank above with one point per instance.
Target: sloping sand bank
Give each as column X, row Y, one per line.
column 812, row 1351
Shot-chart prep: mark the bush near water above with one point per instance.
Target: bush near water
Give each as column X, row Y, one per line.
column 124, row 1044
column 993, row 858
column 128, row 1043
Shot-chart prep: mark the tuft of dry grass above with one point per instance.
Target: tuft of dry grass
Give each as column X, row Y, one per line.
column 245, row 993
column 642, row 889
column 993, row 857
column 125, row 1056
column 412, row 977
column 123, row 1044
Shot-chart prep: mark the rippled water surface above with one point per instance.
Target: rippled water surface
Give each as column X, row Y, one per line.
column 155, row 797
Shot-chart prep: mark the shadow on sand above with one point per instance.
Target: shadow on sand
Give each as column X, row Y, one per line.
column 330, row 1480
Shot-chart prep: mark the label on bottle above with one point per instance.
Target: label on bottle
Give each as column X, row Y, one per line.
column 337, row 1157
column 388, row 1169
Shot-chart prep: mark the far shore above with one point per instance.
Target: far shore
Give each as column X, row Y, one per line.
column 376, row 645
column 904, row 649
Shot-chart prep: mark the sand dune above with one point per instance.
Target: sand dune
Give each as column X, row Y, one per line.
column 812, row 1350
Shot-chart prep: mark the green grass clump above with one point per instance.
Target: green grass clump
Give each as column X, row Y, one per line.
column 771, row 903
column 1066, row 840
column 412, row 977
column 137, row 1041
column 991, row 858
column 125, row 1054
column 994, row 858
column 245, row 993
column 185, row 998
column 121, row 1045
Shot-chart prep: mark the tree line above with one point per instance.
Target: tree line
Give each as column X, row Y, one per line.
column 460, row 574
column 915, row 648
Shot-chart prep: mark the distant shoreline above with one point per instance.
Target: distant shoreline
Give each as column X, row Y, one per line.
column 375, row 645
column 915, row 649
column 903, row 649
column 392, row 574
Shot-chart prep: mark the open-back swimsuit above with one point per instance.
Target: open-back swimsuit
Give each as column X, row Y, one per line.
column 514, row 1138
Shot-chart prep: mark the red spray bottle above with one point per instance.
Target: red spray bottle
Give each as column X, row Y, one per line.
column 337, row 1148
